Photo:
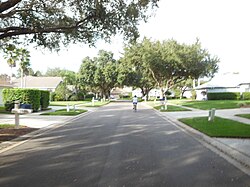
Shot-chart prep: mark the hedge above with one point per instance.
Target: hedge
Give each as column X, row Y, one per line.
column 223, row 96
column 246, row 95
column 27, row 96
column 45, row 97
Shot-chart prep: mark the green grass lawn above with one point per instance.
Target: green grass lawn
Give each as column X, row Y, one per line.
column 171, row 108
column 206, row 105
column 63, row 112
column 244, row 115
column 220, row 127
column 96, row 104
column 65, row 103
column 5, row 126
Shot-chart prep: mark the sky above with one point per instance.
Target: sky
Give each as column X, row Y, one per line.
column 221, row 25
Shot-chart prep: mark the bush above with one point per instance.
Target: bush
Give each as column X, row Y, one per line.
column 193, row 92
column 52, row 96
column 246, row 95
column 89, row 96
column 9, row 105
column 27, row 96
column 73, row 98
column 44, row 101
column 223, row 96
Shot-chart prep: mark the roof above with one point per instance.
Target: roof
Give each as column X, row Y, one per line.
column 227, row 80
column 5, row 83
column 38, row 82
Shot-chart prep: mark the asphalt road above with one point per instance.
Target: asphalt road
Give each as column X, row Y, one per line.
column 117, row 147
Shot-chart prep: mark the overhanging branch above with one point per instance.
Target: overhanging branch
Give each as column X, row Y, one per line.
column 8, row 4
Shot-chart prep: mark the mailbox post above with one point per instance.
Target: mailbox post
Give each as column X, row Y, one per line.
column 211, row 114
column 17, row 111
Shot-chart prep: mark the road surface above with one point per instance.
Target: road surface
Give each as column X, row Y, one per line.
column 117, row 147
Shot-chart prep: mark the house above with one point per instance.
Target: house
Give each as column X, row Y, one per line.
column 4, row 83
column 228, row 82
column 41, row 83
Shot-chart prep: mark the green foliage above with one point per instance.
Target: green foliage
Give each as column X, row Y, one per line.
column 193, row 92
column 50, row 23
column 27, row 96
column 9, row 105
column 170, row 62
column 219, row 127
column 62, row 92
column 44, row 101
column 224, row 96
column 246, row 96
column 100, row 73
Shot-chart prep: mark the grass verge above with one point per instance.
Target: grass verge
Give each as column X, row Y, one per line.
column 171, row 108
column 220, row 127
column 63, row 112
column 65, row 103
column 96, row 104
column 244, row 115
column 207, row 105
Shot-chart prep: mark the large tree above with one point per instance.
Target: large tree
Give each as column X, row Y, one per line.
column 100, row 73
column 169, row 62
column 52, row 22
column 134, row 72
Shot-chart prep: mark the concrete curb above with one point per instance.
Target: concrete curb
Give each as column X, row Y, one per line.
column 235, row 157
column 7, row 145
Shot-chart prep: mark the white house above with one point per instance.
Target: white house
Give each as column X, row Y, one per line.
column 228, row 82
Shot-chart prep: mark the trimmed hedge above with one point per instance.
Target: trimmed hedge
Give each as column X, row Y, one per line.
column 27, row 96
column 224, row 96
column 246, row 95
column 45, row 97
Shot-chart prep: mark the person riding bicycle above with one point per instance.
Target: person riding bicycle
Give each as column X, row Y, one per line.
column 135, row 101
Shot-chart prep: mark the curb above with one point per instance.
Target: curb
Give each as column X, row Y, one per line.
column 8, row 145
column 235, row 157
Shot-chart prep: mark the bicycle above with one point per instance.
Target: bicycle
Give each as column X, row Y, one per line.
column 135, row 107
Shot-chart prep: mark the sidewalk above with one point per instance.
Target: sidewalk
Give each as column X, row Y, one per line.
column 236, row 149
column 35, row 120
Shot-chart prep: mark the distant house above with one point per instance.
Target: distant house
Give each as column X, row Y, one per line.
column 41, row 83
column 228, row 82
column 4, row 83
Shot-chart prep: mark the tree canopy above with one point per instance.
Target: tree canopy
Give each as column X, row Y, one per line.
column 100, row 73
column 169, row 62
column 52, row 22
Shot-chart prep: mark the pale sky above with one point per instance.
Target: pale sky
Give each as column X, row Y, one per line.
column 221, row 25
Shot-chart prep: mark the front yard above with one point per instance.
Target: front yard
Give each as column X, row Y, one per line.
column 63, row 112
column 220, row 127
column 207, row 105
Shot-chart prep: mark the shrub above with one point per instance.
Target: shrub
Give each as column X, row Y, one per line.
column 44, row 101
column 193, row 92
column 73, row 98
column 52, row 96
column 9, row 105
column 27, row 96
column 224, row 96
column 246, row 95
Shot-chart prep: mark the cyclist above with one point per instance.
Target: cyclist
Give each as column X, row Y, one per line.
column 135, row 101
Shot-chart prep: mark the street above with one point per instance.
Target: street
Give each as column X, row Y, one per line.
column 114, row 146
